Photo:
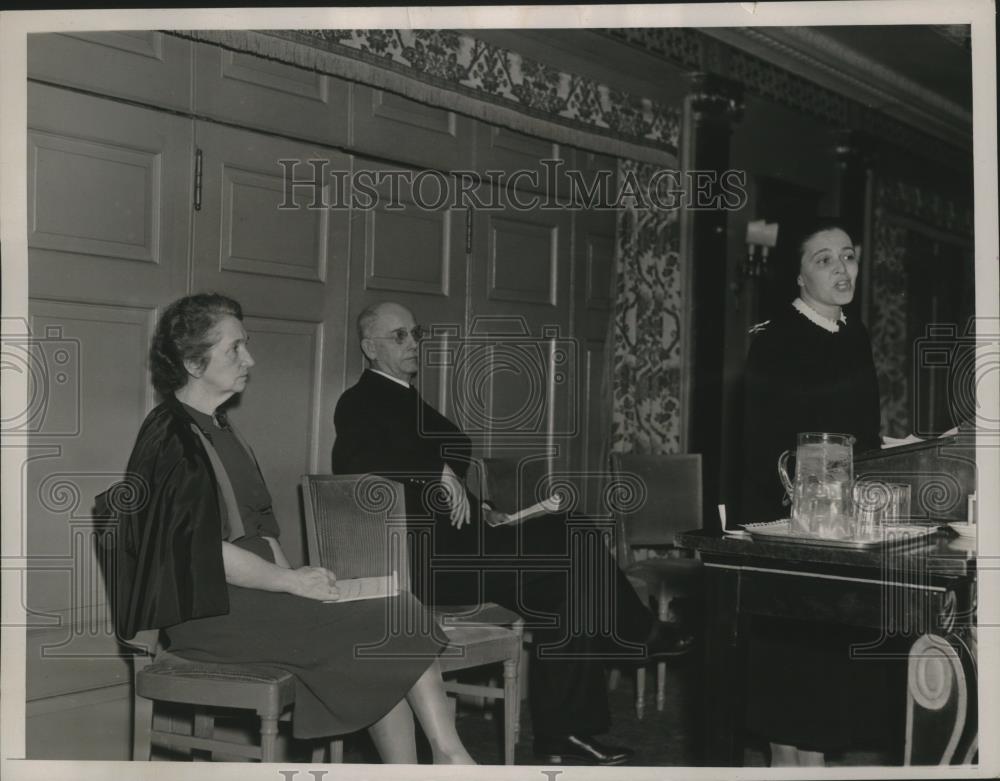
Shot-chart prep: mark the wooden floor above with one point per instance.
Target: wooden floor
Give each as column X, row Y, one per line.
column 661, row 739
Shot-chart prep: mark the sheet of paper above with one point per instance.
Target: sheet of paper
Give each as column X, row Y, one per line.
column 888, row 442
column 353, row 589
column 549, row 505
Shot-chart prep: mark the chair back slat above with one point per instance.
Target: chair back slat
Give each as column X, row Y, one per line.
column 356, row 525
column 663, row 496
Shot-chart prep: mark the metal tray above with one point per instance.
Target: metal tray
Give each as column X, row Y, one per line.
column 891, row 536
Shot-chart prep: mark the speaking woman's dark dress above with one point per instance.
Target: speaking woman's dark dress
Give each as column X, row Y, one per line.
column 803, row 688
column 802, row 377
column 349, row 671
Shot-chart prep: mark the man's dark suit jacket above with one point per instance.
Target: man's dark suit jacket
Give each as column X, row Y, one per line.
column 386, row 429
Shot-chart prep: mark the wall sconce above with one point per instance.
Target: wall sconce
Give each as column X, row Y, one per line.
column 762, row 236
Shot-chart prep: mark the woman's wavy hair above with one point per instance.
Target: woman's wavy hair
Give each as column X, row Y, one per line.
column 185, row 332
column 818, row 225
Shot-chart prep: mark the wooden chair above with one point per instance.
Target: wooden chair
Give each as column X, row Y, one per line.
column 356, row 526
column 160, row 676
column 661, row 495
column 941, row 723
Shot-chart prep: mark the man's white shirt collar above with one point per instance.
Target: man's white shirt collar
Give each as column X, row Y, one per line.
column 822, row 321
column 390, row 377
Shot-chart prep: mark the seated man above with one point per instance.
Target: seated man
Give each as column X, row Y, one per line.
column 384, row 427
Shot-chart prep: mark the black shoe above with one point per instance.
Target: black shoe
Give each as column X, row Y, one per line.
column 668, row 639
column 581, row 750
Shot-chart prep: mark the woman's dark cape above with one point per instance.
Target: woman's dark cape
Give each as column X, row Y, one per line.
column 168, row 552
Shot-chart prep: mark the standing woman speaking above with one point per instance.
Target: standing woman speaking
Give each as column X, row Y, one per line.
column 810, row 368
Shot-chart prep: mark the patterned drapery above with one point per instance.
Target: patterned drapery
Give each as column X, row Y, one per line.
column 647, row 362
column 892, row 241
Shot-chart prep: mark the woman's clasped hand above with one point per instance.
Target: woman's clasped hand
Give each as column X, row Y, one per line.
column 313, row 583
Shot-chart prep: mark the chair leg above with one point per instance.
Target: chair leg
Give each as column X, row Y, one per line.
column 663, row 613
column 640, row 692
column 268, row 738
column 518, row 699
column 203, row 727
column 522, row 671
column 334, row 749
column 142, row 725
column 485, row 703
column 511, row 701
column 661, row 685
column 613, row 677
column 524, row 652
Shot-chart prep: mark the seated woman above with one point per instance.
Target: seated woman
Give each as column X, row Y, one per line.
column 221, row 587
column 811, row 369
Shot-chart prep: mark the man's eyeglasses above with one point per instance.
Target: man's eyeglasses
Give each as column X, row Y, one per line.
column 400, row 334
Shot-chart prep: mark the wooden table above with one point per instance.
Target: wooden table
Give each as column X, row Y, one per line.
column 927, row 587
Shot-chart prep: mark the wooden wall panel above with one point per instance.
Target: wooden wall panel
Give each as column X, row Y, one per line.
column 391, row 127
column 109, row 198
column 258, row 93
column 141, row 65
column 390, row 262
column 520, row 157
column 76, row 219
column 523, row 265
column 250, row 246
column 520, row 298
column 93, row 402
column 523, row 261
column 259, row 238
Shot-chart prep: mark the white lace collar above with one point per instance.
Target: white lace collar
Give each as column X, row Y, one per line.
column 823, row 322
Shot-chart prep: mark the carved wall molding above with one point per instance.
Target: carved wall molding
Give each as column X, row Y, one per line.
column 828, row 63
column 806, row 71
column 905, row 198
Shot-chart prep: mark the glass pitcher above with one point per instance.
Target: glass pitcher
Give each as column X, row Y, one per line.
column 821, row 494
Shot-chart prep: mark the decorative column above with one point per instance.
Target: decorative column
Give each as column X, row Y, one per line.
column 711, row 107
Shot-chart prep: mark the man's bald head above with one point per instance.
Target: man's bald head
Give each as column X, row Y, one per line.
column 370, row 315
column 381, row 326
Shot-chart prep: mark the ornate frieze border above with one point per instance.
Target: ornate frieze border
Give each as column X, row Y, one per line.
column 451, row 69
column 492, row 72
